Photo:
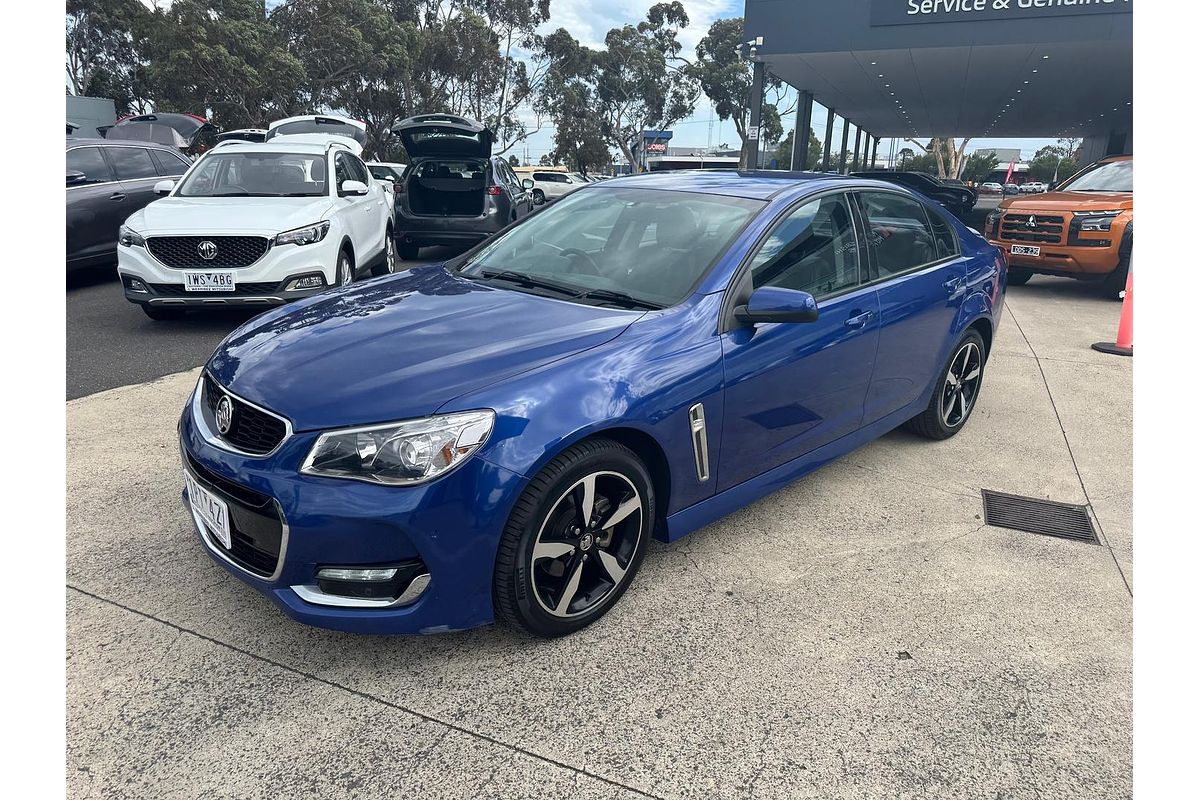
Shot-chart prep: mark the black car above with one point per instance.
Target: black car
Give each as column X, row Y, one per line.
column 106, row 182
column 957, row 199
column 191, row 134
column 454, row 191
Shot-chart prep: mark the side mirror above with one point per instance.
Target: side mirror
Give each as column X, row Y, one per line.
column 527, row 184
column 164, row 187
column 390, row 178
column 352, row 187
column 75, row 178
column 774, row 304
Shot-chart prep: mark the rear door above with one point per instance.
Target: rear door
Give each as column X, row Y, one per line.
column 793, row 387
column 921, row 279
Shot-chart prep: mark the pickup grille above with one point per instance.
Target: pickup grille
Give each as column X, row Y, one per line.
column 1046, row 229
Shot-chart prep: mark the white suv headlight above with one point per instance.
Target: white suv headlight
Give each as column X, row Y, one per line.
column 400, row 453
column 129, row 237
column 309, row 234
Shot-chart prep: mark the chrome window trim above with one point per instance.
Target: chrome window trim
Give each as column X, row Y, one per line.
column 311, row 593
column 99, row 146
column 699, row 440
column 213, row 438
column 212, row 546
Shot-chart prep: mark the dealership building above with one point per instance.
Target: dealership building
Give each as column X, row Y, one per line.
column 964, row 68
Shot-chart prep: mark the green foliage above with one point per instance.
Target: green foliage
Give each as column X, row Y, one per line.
column 103, row 44
column 978, row 166
column 783, row 153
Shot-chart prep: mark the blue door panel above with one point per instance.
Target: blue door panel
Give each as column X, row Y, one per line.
column 793, row 387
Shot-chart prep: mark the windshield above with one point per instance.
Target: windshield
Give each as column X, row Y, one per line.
column 237, row 174
column 628, row 247
column 1115, row 176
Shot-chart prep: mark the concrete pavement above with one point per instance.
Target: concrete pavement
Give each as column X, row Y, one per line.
column 860, row 633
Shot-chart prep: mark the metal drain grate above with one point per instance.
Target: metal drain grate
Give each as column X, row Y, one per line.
column 1031, row 514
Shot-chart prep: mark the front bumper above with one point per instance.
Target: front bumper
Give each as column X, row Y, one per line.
column 452, row 525
column 260, row 294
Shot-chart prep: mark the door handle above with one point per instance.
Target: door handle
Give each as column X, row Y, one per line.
column 954, row 283
column 859, row 320
column 117, row 196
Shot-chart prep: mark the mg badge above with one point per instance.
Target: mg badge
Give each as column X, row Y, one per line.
column 224, row 415
column 207, row 250
column 1031, row 222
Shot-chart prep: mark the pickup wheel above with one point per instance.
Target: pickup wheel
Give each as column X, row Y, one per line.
column 574, row 540
column 1018, row 276
column 956, row 391
column 1114, row 284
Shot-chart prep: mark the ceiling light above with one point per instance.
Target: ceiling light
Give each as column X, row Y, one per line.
column 873, row 63
column 1035, row 70
column 1027, row 82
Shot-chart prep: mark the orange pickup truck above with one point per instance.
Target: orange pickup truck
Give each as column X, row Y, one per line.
column 1083, row 229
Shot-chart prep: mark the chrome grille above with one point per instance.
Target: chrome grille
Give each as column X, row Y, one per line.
column 183, row 252
column 252, row 430
column 1046, row 228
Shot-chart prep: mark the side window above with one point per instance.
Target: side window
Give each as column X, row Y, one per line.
column 132, row 163
column 168, row 163
column 539, row 176
column 944, row 239
column 359, row 169
column 341, row 170
column 898, row 234
column 813, row 249
column 90, row 161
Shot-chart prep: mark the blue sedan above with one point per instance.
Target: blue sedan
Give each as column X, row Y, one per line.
column 500, row 435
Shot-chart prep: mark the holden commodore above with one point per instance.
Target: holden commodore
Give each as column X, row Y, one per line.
column 501, row 435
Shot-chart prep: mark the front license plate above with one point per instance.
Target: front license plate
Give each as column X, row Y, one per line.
column 209, row 282
column 1026, row 250
column 211, row 509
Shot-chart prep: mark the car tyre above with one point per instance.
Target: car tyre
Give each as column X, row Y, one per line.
column 539, row 197
column 160, row 314
column 388, row 265
column 1018, row 276
column 556, row 571
column 345, row 268
column 957, row 390
column 1114, row 284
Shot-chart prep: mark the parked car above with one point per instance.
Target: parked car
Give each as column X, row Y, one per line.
column 454, row 191
column 106, row 182
column 388, row 174
column 243, row 135
column 325, row 124
column 991, row 188
column 959, row 200
column 501, row 435
column 257, row 225
column 1012, row 188
column 1083, row 229
column 189, row 133
column 1032, row 187
column 549, row 185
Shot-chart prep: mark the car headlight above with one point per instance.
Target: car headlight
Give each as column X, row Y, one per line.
column 309, row 234
column 1096, row 220
column 400, row 453
column 129, row 237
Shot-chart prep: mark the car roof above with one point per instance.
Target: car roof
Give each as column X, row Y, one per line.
column 752, row 184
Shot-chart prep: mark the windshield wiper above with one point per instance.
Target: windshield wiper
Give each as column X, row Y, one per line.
column 619, row 297
column 522, row 279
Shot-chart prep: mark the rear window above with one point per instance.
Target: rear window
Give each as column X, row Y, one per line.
column 169, row 163
column 451, row 169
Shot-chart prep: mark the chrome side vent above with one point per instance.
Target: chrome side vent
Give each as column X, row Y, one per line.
column 699, row 440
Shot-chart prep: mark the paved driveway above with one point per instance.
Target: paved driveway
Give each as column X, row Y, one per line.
column 860, row 633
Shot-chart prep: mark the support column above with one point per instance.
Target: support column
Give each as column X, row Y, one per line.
column 874, row 145
column 754, row 134
column 845, row 145
column 826, row 158
column 858, row 142
column 803, row 126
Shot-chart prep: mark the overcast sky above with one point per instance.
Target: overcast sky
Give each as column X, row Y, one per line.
column 590, row 20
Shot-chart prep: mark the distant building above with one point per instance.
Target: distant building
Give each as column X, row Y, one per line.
column 90, row 114
column 1003, row 154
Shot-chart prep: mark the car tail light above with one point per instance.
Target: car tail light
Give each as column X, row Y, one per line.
column 494, row 190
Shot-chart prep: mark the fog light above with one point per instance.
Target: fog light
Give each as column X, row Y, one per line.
column 307, row 282
column 137, row 286
column 340, row 574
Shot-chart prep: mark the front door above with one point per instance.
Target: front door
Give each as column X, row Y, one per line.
column 96, row 206
column 793, row 387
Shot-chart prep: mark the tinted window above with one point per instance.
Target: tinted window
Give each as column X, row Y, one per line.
column 381, row 172
column 341, row 169
column 898, row 233
column 90, row 161
column 359, row 170
column 319, row 125
column 168, row 163
column 944, row 239
column 812, row 249
column 131, row 163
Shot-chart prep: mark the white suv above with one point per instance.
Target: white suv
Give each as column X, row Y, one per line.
column 553, row 185
column 257, row 225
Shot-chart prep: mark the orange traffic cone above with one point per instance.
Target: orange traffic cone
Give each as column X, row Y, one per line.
column 1123, row 346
